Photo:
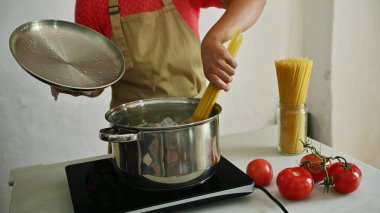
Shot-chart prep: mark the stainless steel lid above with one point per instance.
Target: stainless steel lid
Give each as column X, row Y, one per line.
column 66, row 55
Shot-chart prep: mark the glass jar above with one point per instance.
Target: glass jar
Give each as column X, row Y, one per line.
column 292, row 128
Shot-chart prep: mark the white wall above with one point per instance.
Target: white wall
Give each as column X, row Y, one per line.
column 317, row 45
column 343, row 39
column 355, row 79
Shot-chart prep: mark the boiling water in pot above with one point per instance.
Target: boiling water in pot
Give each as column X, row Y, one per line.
column 166, row 122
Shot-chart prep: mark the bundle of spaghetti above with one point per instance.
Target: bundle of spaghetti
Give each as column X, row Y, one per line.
column 208, row 100
column 293, row 76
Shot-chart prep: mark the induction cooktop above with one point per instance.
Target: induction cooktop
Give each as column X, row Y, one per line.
column 96, row 187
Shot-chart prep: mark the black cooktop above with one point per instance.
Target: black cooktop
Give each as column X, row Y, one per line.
column 95, row 187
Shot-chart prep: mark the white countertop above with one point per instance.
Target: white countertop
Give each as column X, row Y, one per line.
column 44, row 188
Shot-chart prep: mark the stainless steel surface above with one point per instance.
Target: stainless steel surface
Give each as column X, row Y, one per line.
column 66, row 55
column 164, row 157
column 112, row 135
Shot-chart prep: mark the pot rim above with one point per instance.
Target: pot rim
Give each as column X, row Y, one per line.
column 152, row 129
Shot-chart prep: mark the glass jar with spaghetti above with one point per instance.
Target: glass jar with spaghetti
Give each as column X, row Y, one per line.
column 292, row 128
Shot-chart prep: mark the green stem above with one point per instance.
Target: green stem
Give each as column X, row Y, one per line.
column 339, row 158
column 328, row 182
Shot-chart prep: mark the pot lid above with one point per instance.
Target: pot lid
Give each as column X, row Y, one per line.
column 66, row 55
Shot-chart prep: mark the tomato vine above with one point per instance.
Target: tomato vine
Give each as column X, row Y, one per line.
column 329, row 181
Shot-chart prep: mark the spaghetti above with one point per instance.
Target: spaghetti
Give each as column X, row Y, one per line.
column 293, row 77
column 208, row 100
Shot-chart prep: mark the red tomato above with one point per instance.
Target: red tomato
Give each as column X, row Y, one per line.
column 260, row 171
column 346, row 180
column 295, row 183
column 315, row 168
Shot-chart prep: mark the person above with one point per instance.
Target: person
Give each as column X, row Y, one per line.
column 160, row 42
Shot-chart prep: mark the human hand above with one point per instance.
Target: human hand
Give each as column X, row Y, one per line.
column 218, row 65
column 93, row 93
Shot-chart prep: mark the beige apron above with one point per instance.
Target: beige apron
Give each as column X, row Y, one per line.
column 161, row 52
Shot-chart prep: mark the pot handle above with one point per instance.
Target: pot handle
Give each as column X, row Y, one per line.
column 119, row 135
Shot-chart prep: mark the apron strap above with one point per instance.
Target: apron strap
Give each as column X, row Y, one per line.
column 167, row 2
column 117, row 31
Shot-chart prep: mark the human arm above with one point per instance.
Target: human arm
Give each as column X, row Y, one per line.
column 219, row 66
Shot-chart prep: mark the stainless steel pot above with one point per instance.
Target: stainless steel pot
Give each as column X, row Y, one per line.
column 162, row 158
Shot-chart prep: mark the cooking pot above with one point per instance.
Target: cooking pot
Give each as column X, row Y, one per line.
column 153, row 157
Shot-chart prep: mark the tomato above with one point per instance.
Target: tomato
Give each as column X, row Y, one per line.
column 315, row 168
column 260, row 171
column 346, row 180
column 295, row 183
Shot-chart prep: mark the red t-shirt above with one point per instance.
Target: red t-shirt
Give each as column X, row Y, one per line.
column 94, row 13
